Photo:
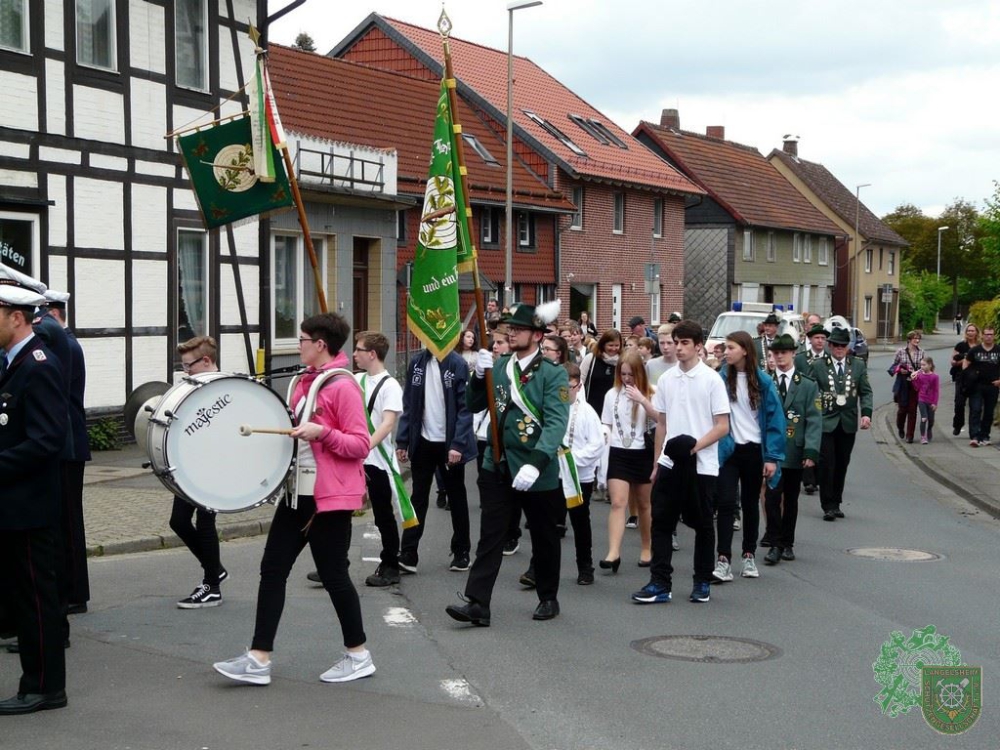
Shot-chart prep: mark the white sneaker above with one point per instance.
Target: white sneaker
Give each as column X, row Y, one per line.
column 736, row 523
column 723, row 571
column 245, row 669
column 349, row 668
column 750, row 568
column 674, row 543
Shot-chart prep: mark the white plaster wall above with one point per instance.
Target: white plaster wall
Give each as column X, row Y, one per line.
column 147, row 37
column 101, row 161
column 184, row 199
column 149, row 218
column 55, row 94
column 57, row 273
column 246, row 236
column 229, row 310
column 105, row 371
column 98, row 115
column 99, row 214
column 227, row 63
column 58, row 215
column 58, row 155
column 15, row 150
column 100, row 293
column 149, row 114
column 149, row 359
column 233, row 356
column 154, row 168
column 20, row 101
column 54, row 25
column 149, row 293
column 16, row 178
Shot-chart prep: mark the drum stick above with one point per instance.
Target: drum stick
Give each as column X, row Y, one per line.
column 246, row 430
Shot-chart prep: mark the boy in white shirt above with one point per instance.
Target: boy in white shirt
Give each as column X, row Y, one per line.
column 693, row 416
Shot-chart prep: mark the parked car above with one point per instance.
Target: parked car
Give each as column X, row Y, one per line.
column 740, row 318
column 859, row 345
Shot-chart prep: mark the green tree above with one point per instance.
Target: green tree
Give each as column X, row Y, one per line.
column 989, row 231
column 304, row 42
column 921, row 296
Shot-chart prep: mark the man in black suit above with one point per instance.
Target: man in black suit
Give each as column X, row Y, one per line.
column 33, row 426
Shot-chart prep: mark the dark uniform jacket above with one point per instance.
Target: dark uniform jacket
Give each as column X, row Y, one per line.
column 860, row 394
column 33, row 427
column 803, row 419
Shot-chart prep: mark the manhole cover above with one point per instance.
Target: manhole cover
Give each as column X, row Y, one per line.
column 711, row 649
column 893, row 554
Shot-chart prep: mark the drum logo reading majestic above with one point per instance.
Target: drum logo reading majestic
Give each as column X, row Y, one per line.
column 206, row 414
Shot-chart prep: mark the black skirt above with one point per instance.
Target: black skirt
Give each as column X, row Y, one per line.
column 632, row 466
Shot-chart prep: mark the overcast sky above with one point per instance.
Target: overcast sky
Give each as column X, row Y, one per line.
column 901, row 94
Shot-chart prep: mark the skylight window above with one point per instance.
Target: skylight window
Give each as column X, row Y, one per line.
column 480, row 149
column 598, row 131
column 551, row 129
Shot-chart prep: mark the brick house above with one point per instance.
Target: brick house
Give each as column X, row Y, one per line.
column 753, row 237
column 629, row 204
column 868, row 266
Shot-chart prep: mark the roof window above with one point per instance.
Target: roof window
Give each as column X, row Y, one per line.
column 598, row 131
column 557, row 133
column 480, row 149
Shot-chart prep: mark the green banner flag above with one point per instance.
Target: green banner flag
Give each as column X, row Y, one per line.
column 220, row 162
column 432, row 311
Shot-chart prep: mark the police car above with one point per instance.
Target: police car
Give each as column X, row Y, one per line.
column 746, row 316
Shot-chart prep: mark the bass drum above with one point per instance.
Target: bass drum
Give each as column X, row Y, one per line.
column 196, row 450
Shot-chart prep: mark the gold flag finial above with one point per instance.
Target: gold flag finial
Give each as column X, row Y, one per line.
column 444, row 23
column 254, row 35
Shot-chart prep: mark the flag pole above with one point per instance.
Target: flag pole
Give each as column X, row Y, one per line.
column 268, row 99
column 444, row 26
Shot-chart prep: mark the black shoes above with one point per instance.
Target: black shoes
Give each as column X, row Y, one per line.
column 442, row 500
column 829, row 515
column 838, row 512
column 527, row 578
column 78, row 608
column 773, row 556
column 314, row 576
column 460, row 562
column 585, row 577
column 788, row 554
column 611, row 565
column 382, row 577
column 28, row 703
column 546, row 610
column 472, row 612
column 809, row 488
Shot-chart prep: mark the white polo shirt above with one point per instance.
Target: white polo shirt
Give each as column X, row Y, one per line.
column 690, row 400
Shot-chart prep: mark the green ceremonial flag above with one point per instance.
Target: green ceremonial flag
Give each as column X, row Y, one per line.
column 220, row 162
column 432, row 311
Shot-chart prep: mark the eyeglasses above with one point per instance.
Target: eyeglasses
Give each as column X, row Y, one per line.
column 550, row 349
column 304, row 339
column 361, row 349
column 186, row 366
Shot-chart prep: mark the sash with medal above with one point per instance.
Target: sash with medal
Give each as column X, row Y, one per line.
column 400, row 496
column 567, row 466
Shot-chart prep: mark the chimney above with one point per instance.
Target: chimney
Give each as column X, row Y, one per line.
column 716, row 131
column 791, row 146
column 670, row 118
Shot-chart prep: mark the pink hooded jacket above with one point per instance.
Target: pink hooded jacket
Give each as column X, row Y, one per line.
column 341, row 450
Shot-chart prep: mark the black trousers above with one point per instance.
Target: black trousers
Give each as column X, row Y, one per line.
column 666, row 502
column 542, row 509
column 583, row 535
column 961, row 397
column 834, row 458
column 380, row 496
column 201, row 537
column 742, row 473
column 424, row 462
column 781, row 522
column 29, row 560
column 329, row 537
column 76, row 589
column 982, row 402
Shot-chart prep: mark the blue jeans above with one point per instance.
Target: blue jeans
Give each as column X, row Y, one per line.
column 926, row 420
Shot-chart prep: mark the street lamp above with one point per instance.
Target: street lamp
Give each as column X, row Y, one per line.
column 509, row 223
column 857, row 239
column 940, row 229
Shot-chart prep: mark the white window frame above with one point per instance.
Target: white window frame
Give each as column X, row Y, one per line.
column 544, row 293
column 33, row 219
column 796, row 248
column 576, row 220
column 207, row 290
column 203, row 84
column 489, row 220
column 25, row 28
column 868, row 309
column 658, row 217
column 823, row 252
column 618, row 220
column 113, row 52
column 477, row 146
column 807, row 249
column 654, row 308
column 771, row 252
column 525, row 229
column 892, row 262
column 869, row 258
column 321, row 243
column 748, row 255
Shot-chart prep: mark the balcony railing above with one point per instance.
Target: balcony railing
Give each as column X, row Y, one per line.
column 340, row 170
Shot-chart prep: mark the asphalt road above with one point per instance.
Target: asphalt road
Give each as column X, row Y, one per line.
column 140, row 670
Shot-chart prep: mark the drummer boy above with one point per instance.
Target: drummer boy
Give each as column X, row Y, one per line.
column 199, row 355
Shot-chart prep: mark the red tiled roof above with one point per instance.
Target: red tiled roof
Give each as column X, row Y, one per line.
column 740, row 179
column 839, row 198
column 484, row 71
column 343, row 101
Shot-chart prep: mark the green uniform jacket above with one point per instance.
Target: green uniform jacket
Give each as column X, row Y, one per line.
column 803, row 419
column 525, row 441
column 762, row 350
column 803, row 360
column 823, row 371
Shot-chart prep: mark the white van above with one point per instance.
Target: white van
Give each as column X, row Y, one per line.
column 746, row 316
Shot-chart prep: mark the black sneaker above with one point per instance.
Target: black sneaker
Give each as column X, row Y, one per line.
column 442, row 500
column 407, row 564
column 201, row 597
column 313, row 576
column 460, row 563
column 585, row 577
column 382, row 577
column 511, row 546
column 224, row 575
column 527, row 578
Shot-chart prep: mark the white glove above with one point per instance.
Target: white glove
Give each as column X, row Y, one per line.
column 525, row 478
column 484, row 362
